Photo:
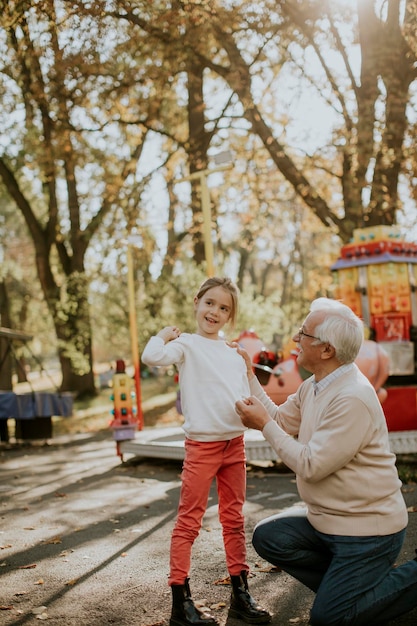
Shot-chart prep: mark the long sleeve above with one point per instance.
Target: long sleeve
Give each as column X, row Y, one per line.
column 157, row 353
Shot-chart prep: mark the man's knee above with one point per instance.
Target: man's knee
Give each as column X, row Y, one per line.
column 258, row 539
column 268, row 542
column 280, row 537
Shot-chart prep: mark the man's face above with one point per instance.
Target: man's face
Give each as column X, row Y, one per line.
column 309, row 349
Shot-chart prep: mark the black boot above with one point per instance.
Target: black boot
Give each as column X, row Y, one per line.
column 184, row 611
column 243, row 606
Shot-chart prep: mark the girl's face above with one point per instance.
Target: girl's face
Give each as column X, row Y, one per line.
column 212, row 312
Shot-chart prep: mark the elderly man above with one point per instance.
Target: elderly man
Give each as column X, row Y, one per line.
column 332, row 433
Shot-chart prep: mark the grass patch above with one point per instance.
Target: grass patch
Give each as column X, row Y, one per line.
column 94, row 414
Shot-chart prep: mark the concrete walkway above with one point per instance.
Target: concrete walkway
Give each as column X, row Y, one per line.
column 84, row 538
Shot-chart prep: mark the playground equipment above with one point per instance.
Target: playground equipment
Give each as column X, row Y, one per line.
column 124, row 423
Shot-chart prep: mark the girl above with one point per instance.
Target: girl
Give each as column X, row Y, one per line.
column 212, row 377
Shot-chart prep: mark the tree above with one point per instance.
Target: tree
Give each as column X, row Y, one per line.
column 371, row 138
column 97, row 84
column 70, row 158
column 369, row 143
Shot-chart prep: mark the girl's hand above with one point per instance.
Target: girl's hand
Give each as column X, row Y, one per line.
column 246, row 357
column 169, row 333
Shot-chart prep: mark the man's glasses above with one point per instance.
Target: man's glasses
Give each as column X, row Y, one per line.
column 301, row 332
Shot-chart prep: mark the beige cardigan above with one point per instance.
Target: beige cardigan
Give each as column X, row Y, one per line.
column 337, row 444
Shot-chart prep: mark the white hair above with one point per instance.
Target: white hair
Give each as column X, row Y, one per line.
column 341, row 328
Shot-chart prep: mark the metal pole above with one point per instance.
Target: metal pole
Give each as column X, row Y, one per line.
column 134, row 334
column 208, row 242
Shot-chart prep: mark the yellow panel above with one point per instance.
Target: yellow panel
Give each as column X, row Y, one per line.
column 376, row 233
column 347, row 283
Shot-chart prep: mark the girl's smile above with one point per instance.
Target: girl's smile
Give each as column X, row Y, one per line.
column 212, row 311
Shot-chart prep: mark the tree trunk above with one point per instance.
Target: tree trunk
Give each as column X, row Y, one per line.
column 73, row 330
column 5, row 356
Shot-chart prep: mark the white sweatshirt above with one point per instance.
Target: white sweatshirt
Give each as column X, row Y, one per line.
column 212, row 377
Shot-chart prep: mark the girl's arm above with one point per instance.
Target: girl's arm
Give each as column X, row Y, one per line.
column 161, row 349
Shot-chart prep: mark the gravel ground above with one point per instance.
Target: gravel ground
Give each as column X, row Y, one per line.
column 84, row 538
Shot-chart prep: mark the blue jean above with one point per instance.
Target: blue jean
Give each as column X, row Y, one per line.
column 354, row 578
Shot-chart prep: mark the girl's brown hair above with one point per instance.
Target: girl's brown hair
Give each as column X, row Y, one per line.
column 228, row 285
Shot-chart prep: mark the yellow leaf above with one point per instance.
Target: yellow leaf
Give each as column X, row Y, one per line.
column 53, row 540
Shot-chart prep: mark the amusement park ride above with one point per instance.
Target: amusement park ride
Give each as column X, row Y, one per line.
column 376, row 276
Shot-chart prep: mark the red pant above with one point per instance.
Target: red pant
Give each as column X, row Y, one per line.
column 226, row 461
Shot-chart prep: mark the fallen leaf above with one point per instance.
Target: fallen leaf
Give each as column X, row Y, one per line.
column 268, row 568
column 8, row 545
column 72, row 582
column 223, row 581
column 39, row 582
column 4, row 607
column 124, row 554
column 202, row 605
column 31, row 566
column 53, row 540
column 412, row 509
column 38, row 610
column 294, row 620
column 65, row 552
column 60, row 495
column 217, row 606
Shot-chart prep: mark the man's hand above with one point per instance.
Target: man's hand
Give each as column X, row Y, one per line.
column 252, row 413
column 169, row 333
